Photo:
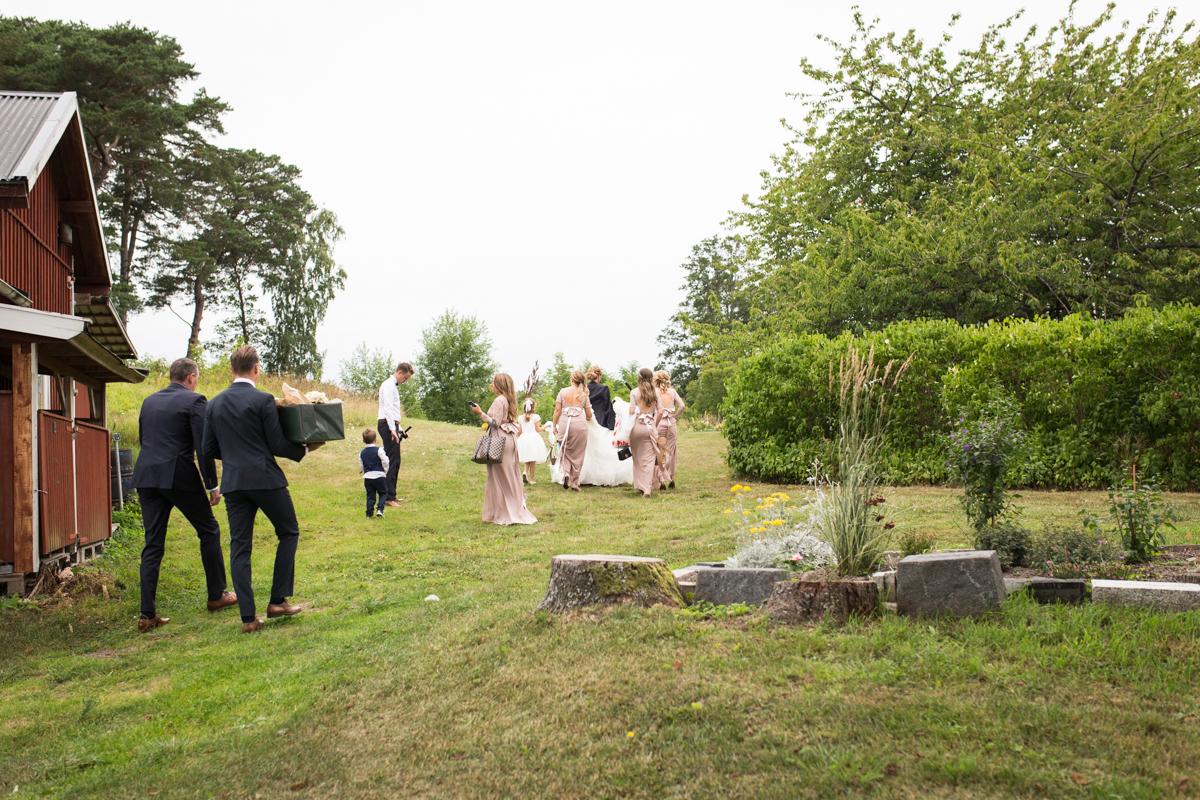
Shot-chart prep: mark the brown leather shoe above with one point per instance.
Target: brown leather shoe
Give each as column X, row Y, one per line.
column 392, row 504
column 253, row 626
column 226, row 600
column 145, row 624
column 284, row 609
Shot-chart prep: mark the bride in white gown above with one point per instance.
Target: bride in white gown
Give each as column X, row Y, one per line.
column 601, row 467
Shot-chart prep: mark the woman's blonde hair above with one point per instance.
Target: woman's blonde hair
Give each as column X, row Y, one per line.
column 579, row 381
column 503, row 383
column 662, row 380
column 594, row 372
column 646, row 395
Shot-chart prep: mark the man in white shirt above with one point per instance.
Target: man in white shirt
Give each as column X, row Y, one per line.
column 389, row 425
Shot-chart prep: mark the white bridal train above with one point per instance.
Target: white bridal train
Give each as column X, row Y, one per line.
column 601, row 467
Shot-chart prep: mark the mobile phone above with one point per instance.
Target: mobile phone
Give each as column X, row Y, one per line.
column 473, row 404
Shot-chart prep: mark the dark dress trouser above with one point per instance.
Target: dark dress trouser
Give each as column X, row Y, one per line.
column 376, row 494
column 242, row 506
column 392, row 449
column 156, row 512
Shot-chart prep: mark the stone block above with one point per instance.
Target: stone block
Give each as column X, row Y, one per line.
column 687, row 574
column 886, row 581
column 955, row 584
column 1156, row 595
column 1049, row 591
column 727, row 585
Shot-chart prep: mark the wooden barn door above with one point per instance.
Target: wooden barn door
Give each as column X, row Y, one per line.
column 56, row 472
column 94, row 486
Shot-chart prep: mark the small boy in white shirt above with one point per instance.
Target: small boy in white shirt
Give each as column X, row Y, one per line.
column 373, row 464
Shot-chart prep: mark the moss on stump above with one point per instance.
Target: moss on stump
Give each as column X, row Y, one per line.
column 598, row 580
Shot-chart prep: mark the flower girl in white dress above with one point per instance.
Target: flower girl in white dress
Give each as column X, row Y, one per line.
column 531, row 448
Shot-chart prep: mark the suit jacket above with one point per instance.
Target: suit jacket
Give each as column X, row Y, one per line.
column 602, row 406
column 242, row 430
column 171, row 431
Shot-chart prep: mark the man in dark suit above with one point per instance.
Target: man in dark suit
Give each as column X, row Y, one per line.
column 171, row 429
column 601, row 399
column 242, row 430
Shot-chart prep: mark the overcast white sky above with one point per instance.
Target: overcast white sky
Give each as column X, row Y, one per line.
column 545, row 166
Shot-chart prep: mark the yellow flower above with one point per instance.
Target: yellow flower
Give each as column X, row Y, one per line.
column 729, row 511
column 777, row 522
column 696, row 706
column 629, row 735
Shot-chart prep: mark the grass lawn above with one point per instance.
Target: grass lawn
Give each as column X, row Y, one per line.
column 375, row 693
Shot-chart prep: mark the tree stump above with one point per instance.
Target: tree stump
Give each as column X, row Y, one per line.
column 815, row 600
column 595, row 580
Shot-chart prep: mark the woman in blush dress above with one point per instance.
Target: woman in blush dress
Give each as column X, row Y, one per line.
column 531, row 447
column 504, row 496
column 572, row 412
column 643, row 438
column 670, row 406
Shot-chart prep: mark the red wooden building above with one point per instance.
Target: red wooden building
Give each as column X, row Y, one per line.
column 60, row 341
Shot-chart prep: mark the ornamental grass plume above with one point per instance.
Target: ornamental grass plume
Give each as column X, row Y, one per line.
column 850, row 522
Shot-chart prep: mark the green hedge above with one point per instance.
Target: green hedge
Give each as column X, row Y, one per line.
column 1091, row 393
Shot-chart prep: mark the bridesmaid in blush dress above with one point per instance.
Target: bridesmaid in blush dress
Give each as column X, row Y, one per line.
column 670, row 406
column 504, row 496
column 643, row 438
column 572, row 412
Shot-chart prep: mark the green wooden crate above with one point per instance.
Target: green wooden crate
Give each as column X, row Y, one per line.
column 316, row 422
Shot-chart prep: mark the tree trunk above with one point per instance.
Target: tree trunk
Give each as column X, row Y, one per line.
column 193, row 348
column 816, row 600
column 583, row 581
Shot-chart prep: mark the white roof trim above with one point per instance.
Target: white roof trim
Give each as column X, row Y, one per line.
column 40, row 324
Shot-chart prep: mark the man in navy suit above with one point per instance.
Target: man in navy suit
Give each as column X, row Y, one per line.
column 242, row 430
column 601, row 399
column 171, row 429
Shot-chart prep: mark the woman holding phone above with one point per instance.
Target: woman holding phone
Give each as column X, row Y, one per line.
column 504, row 495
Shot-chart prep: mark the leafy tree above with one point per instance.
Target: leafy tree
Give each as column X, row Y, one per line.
column 366, row 369
column 246, row 230
column 456, row 367
column 715, row 298
column 1036, row 173
column 137, row 120
column 300, row 295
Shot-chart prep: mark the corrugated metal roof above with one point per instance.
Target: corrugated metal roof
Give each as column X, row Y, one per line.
column 31, row 124
column 104, row 325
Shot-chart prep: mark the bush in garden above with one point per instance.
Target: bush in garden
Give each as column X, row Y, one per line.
column 912, row 542
column 1061, row 546
column 776, row 533
column 1141, row 516
column 1009, row 540
column 980, row 455
column 1081, row 387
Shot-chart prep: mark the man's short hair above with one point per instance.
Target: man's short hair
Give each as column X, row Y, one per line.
column 404, row 367
column 243, row 359
column 181, row 369
column 368, row 436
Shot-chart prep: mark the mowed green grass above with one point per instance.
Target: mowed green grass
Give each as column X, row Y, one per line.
column 374, row 692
